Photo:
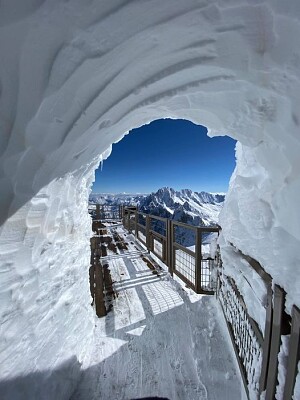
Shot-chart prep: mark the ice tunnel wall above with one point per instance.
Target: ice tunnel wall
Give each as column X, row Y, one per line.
column 74, row 77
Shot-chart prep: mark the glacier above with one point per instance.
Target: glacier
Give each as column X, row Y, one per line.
column 75, row 77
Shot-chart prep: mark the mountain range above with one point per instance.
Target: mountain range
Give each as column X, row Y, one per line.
column 194, row 208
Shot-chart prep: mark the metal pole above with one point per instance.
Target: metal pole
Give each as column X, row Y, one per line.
column 123, row 216
column 129, row 221
column 169, row 244
column 198, row 260
column 148, row 232
column 96, row 268
column 279, row 297
column 97, row 211
column 99, row 291
column 136, row 224
column 294, row 355
column 267, row 341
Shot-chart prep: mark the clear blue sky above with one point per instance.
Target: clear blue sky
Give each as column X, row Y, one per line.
column 173, row 153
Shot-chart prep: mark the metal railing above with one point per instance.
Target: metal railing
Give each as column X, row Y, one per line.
column 104, row 212
column 257, row 350
column 161, row 236
column 189, row 262
column 246, row 337
column 256, row 343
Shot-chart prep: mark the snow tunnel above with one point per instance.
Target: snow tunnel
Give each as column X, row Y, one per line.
column 75, row 76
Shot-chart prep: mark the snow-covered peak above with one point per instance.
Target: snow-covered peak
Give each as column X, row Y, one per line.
column 170, row 197
column 184, row 205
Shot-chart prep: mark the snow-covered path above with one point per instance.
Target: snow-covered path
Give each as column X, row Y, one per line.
column 159, row 340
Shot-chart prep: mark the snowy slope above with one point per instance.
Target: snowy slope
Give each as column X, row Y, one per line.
column 74, row 78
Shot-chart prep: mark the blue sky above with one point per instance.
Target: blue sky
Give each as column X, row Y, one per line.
column 173, row 153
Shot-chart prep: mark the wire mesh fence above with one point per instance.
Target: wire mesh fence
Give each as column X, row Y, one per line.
column 246, row 337
column 185, row 266
column 184, row 248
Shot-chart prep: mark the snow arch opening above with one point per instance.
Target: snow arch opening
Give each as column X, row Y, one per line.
column 165, row 153
column 74, row 77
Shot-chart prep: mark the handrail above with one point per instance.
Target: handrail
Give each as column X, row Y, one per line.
column 154, row 233
column 184, row 225
column 185, row 249
column 151, row 216
column 257, row 268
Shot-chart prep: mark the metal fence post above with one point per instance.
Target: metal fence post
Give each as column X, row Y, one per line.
column 169, row 245
column 129, row 221
column 294, row 355
column 267, row 341
column 136, row 224
column 99, row 291
column 148, row 232
column 198, row 259
column 97, row 211
column 279, row 297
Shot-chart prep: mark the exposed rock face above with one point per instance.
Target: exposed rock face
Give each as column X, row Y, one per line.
column 74, row 77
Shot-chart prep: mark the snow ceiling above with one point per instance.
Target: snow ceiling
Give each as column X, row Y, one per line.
column 76, row 75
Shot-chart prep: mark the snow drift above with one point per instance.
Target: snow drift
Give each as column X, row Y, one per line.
column 74, row 77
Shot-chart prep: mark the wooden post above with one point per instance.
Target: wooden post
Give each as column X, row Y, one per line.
column 198, row 259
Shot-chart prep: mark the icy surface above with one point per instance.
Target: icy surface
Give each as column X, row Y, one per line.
column 74, row 77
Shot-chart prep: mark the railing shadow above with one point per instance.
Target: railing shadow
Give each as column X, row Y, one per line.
column 58, row 383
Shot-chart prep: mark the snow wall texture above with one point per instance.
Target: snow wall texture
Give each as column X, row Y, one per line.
column 74, row 77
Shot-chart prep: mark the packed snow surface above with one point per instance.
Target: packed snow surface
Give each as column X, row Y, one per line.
column 75, row 76
column 159, row 340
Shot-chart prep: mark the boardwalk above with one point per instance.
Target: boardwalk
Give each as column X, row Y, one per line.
column 159, row 339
